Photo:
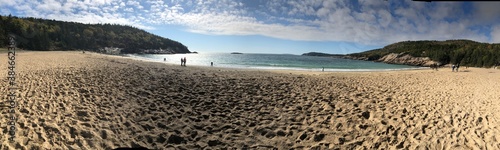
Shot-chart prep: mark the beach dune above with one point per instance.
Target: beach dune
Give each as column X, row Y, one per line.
column 70, row 100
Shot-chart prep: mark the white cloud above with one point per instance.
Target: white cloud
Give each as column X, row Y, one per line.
column 87, row 11
column 49, row 5
column 133, row 3
column 129, row 9
column 99, row 2
column 486, row 11
column 495, row 34
column 375, row 22
column 7, row 2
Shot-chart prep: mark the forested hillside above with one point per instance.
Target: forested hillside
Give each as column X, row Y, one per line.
column 465, row 52
column 42, row 34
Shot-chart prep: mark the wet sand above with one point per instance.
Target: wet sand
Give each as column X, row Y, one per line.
column 70, row 100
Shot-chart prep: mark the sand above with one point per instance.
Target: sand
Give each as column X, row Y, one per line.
column 70, row 100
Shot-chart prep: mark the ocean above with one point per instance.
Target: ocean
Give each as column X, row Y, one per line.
column 272, row 61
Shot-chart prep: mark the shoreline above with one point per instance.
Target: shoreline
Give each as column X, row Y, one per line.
column 293, row 69
column 284, row 70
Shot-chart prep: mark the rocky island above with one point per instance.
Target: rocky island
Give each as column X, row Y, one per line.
column 322, row 54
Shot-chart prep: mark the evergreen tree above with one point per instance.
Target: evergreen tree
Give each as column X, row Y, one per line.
column 60, row 35
column 464, row 52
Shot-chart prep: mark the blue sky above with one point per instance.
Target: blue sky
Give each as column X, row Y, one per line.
column 280, row 26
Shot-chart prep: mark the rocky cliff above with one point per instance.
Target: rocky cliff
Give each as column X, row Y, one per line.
column 401, row 59
column 406, row 59
column 424, row 53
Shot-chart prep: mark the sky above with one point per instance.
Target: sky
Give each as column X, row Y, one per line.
column 280, row 26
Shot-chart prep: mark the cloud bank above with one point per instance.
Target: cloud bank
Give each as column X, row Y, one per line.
column 370, row 22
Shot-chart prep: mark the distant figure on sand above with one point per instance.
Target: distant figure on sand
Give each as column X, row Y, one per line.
column 458, row 65
column 434, row 66
column 323, row 69
column 184, row 61
column 452, row 67
column 211, row 63
column 83, row 52
column 164, row 59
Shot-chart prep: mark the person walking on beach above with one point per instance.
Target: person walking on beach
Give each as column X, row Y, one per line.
column 211, row 63
column 435, row 66
column 184, row 61
column 453, row 68
column 458, row 65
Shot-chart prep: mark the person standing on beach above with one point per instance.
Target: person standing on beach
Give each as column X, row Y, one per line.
column 184, row 61
column 453, row 68
column 458, row 65
column 211, row 63
column 435, row 66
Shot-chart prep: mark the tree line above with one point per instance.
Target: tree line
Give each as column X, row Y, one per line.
column 43, row 34
column 463, row 52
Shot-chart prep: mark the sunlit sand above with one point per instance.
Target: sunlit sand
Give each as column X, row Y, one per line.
column 70, row 100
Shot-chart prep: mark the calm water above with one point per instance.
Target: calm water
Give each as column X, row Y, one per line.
column 272, row 61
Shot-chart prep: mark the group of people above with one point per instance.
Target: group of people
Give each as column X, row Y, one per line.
column 434, row 66
column 455, row 67
column 183, row 61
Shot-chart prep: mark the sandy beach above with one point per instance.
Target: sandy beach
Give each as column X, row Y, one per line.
column 70, row 100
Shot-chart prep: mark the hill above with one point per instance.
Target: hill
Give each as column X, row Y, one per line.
column 423, row 53
column 43, row 34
